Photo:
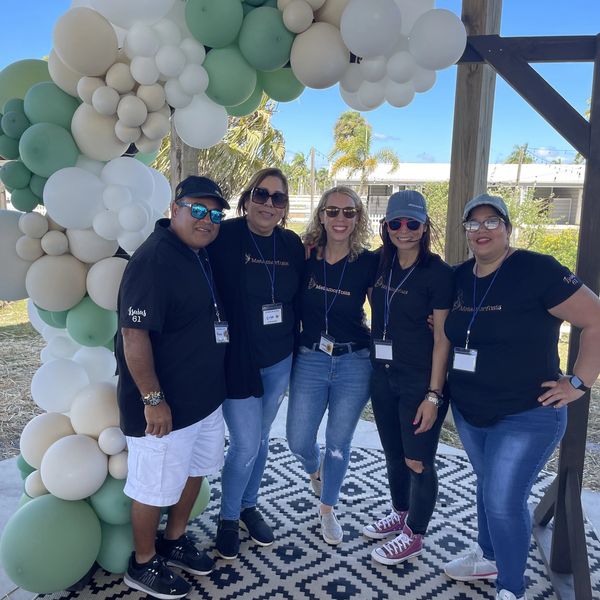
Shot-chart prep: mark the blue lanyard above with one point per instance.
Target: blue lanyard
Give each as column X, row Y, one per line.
column 269, row 273
column 388, row 299
column 328, row 305
column 209, row 280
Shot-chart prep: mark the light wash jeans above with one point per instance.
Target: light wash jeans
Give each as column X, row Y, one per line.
column 249, row 422
column 507, row 457
column 341, row 385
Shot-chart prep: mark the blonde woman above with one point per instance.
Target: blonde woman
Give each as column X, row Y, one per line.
column 332, row 368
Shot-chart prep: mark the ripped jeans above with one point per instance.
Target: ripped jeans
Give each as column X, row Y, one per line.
column 249, row 422
column 339, row 384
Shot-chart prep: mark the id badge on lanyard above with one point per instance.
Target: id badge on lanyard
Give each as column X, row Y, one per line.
column 326, row 343
column 222, row 332
column 465, row 359
column 272, row 313
column 383, row 350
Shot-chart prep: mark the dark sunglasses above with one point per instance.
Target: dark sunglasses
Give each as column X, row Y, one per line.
column 333, row 211
column 490, row 224
column 199, row 211
column 411, row 224
column 261, row 195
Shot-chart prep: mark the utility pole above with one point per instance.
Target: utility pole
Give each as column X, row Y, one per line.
column 522, row 153
column 312, row 180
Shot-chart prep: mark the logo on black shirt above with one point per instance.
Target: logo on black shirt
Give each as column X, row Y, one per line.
column 460, row 306
column 380, row 283
column 571, row 278
column 248, row 258
column 136, row 314
column 313, row 285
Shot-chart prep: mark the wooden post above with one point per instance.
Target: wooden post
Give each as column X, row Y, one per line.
column 183, row 160
column 474, row 103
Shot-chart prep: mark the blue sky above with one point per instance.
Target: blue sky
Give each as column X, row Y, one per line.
column 421, row 132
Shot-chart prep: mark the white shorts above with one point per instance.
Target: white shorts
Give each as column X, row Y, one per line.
column 158, row 468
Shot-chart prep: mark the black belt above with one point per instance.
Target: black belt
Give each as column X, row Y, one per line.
column 340, row 349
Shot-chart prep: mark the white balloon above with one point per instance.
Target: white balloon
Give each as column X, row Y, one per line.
column 319, row 57
column 90, row 165
column 87, row 86
column 411, row 10
column 106, row 225
column 156, row 126
column 73, row 197
column 112, row 441
column 98, row 361
column 142, row 40
column 50, row 332
column 94, row 408
column 55, row 243
column 119, row 77
column 132, row 111
column 351, row 99
column 117, row 465
column 130, row 241
column 331, row 12
column 88, row 246
column 115, row 197
column 399, row 94
column 194, row 51
column 126, row 14
column 133, row 217
column 103, row 281
column 64, row 77
column 400, row 44
column 370, row 28
column 423, row 80
column 144, row 70
column 29, row 249
column 176, row 96
column 161, row 197
column 153, row 96
column 74, row 467
column 105, row 100
column 55, row 384
column 371, row 94
column 352, row 78
column 437, row 39
column 127, row 134
column 401, row 66
column 298, row 16
column 170, row 60
column 34, row 317
column 193, row 79
column 40, row 433
column 62, row 345
column 373, row 69
column 168, row 32
column 33, row 224
column 34, row 486
column 202, row 124
column 130, row 173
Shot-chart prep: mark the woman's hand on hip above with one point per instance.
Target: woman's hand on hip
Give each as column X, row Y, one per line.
column 559, row 393
column 425, row 417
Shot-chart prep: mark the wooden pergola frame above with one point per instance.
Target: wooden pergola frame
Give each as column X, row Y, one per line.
column 486, row 54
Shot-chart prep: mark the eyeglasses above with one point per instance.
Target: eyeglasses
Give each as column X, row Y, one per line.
column 333, row 211
column 199, row 211
column 490, row 224
column 411, row 224
column 261, row 195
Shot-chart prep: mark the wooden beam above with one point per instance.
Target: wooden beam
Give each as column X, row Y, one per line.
column 474, row 104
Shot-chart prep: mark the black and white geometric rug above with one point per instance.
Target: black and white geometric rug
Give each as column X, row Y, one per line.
column 300, row 565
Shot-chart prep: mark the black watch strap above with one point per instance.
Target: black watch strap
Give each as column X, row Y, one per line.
column 578, row 384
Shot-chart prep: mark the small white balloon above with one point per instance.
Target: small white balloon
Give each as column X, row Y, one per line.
column 142, row 40
column 168, row 32
column 371, row 94
column 106, row 225
column 144, row 70
column 34, row 486
column 127, row 14
column 62, row 345
column 34, row 318
column 132, row 111
column 194, row 51
column 89, row 164
column 119, row 77
column 193, row 79
column 112, row 441
column 202, row 124
column 351, row 99
column 33, row 224
column 55, row 243
column 399, row 94
column 176, row 96
column 130, row 241
column 115, row 197
column 105, row 100
column 352, row 78
column 423, row 80
column 401, row 66
column 161, row 197
column 86, row 87
column 133, row 217
column 117, row 465
column 170, row 61
column 99, row 362
column 298, row 16
column 373, row 69
column 55, row 384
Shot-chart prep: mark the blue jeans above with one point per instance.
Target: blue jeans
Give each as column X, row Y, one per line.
column 320, row 382
column 507, row 457
column 249, row 421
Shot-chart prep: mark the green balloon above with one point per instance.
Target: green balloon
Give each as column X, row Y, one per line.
column 110, row 344
column 255, row 2
column 247, row 8
column 46, row 103
column 215, row 23
column 110, row 503
column 116, row 547
column 24, row 199
column 147, row 159
column 231, row 79
column 49, row 544
column 52, row 318
column 14, row 104
column 37, row 184
column 14, row 124
column 90, row 325
column 15, row 174
column 264, row 40
column 281, row 85
column 247, row 107
column 272, row 3
column 23, row 500
column 9, row 147
column 46, row 148
column 17, row 78
column 24, row 467
column 202, row 500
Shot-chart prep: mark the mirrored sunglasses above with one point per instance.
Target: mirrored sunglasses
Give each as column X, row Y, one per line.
column 199, row 211
column 261, row 195
column 411, row 224
column 333, row 211
column 490, row 224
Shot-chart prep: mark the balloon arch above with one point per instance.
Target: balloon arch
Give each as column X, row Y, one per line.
column 79, row 132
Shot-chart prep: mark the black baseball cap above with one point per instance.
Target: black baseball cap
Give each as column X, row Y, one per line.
column 195, row 186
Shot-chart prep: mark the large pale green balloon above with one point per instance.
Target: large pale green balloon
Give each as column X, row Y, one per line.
column 9, row 147
column 49, row 544
column 15, row 174
column 281, row 85
column 36, row 185
column 264, row 40
column 24, row 499
column 116, row 547
column 249, row 106
column 90, row 325
column 110, row 503
column 24, row 199
column 215, row 23
column 46, row 103
column 46, row 148
column 57, row 319
column 14, row 123
column 202, row 500
column 148, row 158
column 17, row 78
column 231, row 79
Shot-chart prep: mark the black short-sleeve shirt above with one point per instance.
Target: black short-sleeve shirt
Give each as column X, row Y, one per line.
column 430, row 286
column 165, row 292
column 346, row 317
column 515, row 336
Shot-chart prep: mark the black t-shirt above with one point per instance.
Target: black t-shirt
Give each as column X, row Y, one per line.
column 274, row 342
column 430, row 286
column 347, row 319
column 515, row 336
column 165, row 292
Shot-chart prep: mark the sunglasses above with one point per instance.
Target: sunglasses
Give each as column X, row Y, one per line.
column 411, row 224
column 199, row 211
column 333, row 211
column 490, row 224
column 261, row 195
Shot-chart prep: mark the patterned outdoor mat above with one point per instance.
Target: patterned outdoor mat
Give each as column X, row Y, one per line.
column 301, row 565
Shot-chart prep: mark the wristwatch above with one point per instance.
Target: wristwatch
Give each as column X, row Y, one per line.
column 578, row 384
column 153, row 398
column 434, row 398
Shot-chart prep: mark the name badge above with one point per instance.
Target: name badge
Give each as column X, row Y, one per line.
column 383, row 350
column 465, row 359
column 272, row 314
column 221, row 332
column 326, row 343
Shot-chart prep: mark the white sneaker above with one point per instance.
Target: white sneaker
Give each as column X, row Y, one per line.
column 506, row 595
column 331, row 530
column 471, row 566
column 316, row 485
column 391, row 524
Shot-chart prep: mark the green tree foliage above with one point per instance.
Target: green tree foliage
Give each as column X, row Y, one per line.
column 520, row 155
column 560, row 243
column 298, row 174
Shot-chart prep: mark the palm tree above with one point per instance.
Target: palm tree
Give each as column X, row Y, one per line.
column 520, row 155
column 298, row 173
column 323, row 179
column 352, row 137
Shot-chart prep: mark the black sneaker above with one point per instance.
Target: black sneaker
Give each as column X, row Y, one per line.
column 228, row 539
column 183, row 553
column 252, row 521
column 156, row 579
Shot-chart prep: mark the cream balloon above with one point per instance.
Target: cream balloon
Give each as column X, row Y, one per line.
column 126, row 14
column 117, row 465
column 316, row 4
column 74, row 467
column 132, row 111
column 64, row 77
column 55, row 243
column 88, row 246
column 94, row 408
column 99, row 362
column 105, row 100
column 34, row 486
column 87, row 86
column 331, row 12
column 33, row 224
column 119, row 77
column 156, row 126
column 202, row 123
column 55, row 384
column 146, row 145
column 153, row 96
column 298, row 16
column 40, row 433
column 127, row 134
column 29, row 249
column 112, row 441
